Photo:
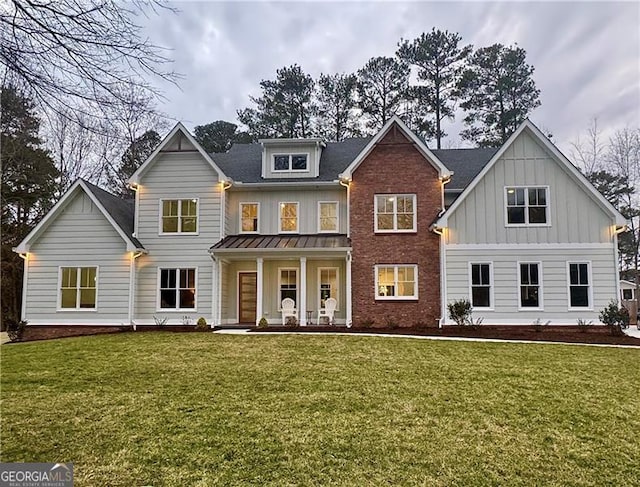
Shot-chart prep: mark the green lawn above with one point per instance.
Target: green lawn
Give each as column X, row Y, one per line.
column 203, row 409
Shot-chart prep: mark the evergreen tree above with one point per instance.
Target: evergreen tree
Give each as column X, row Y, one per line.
column 219, row 136
column 336, row 106
column 285, row 107
column 440, row 62
column 382, row 90
column 133, row 157
column 28, row 187
column 498, row 93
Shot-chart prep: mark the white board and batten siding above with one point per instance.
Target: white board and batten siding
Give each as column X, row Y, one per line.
column 579, row 230
column 269, row 213
column 80, row 236
column 174, row 176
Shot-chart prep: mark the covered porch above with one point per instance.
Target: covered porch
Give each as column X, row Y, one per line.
column 253, row 274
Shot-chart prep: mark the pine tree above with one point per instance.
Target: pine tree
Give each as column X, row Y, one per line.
column 335, row 107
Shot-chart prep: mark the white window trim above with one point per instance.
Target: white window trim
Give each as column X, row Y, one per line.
column 59, row 307
column 540, row 306
column 337, row 203
column 337, row 298
column 240, row 216
column 526, row 207
column 159, row 309
column 179, row 200
column 589, row 294
column 395, row 213
column 297, row 203
column 491, row 286
column 395, row 277
column 290, row 155
column 280, row 269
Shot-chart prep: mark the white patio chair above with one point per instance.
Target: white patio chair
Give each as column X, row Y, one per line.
column 288, row 309
column 329, row 310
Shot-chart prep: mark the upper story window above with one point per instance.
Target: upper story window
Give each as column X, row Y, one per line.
column 290, row 162
column 179, row 216
column 249, row 213
column 395, row 213
column 78, row 288
column 289, row 217
column 527, row 206
column 327, row 216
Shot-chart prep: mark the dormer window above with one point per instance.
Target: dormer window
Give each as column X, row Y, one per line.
column 290, row 162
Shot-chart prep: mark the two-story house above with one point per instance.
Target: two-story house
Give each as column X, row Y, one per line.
column 390, row 229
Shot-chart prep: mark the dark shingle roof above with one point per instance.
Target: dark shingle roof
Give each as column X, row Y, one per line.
column 282, row 242
column 122, row 211
column 465, row 164
column 243, row 162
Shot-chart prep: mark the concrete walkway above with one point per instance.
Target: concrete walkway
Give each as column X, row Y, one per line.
column 632, row 331
column 4, row 337
column 423, row 337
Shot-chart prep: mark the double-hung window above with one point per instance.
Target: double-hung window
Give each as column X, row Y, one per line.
column 395, row 213
column 481, row 285
column 328, row 284
column 579, row 285
column 290, row 162
column 527, row 206
column 177, row 289
column 78, row 288
column 249, row 214
column 179, row 216
column 289, row 217
column 530, row 279
column 288, row 285
column 396, row 282
column 328, row 216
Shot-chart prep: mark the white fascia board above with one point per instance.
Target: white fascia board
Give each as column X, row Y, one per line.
column 25, row 245
column 135, row 177
column 540, row 137
column 443, row 171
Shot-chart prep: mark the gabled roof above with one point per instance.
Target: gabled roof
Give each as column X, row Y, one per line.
column 118, row 212
column 135, row 177
column 535, row 132
column 443, row 171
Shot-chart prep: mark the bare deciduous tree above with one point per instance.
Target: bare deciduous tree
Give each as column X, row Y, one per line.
column 80, row 53
column 589, row 152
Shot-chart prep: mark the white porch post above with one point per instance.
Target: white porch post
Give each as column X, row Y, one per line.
column 215, row 290
column 259, row 298
column 218, row 277
column 348, row 290
column 302, row 305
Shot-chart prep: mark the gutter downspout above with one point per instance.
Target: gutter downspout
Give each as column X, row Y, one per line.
column 347, row 184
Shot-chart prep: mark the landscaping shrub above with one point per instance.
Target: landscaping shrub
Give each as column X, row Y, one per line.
column 201, row 324
column 160, row 321
column 15, row 329
column 583, row 325
column 539, row 326
column 263, row 323
column 366, row 323
column 615, row 317
column 291, row 321
column 460, row 312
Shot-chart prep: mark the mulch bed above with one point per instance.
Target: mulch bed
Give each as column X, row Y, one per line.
column 550, row 333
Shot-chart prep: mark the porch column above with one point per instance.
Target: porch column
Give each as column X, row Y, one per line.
column 215, row 290
column 348, row 290
column 259, row 298
column 218, row 276
column 302, row 305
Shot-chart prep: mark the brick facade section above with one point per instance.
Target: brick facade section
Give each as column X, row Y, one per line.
column 395, row 166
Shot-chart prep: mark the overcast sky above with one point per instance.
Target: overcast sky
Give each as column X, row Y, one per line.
column 586, row 54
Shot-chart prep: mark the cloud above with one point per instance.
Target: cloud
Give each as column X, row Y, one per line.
column 586, row 55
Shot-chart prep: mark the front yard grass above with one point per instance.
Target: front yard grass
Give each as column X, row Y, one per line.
column 205, row 409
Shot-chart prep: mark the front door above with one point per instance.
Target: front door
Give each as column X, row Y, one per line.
column 247, row 293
